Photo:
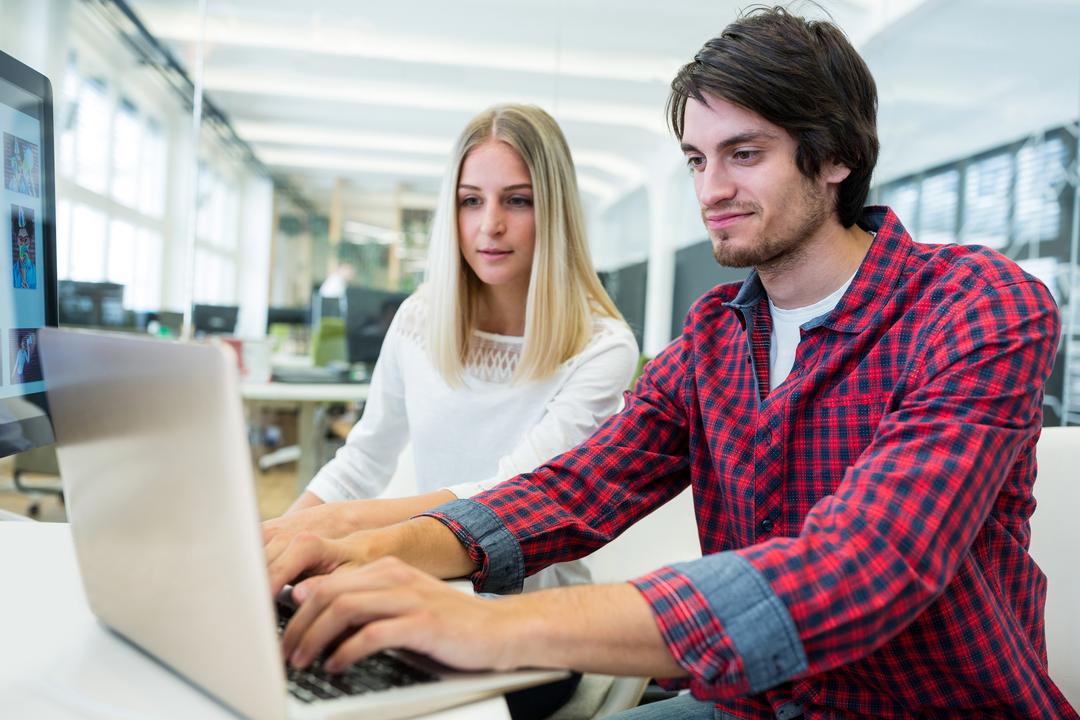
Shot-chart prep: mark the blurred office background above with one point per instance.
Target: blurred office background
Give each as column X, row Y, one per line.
column 232, row 153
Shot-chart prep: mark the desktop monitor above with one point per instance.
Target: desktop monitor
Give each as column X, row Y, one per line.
column 28, row 239
column 214, row 319
column 288, row 316
column 93, row 304
column 368, row 313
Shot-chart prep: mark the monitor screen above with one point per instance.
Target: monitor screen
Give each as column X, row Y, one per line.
column 93, row 304
column 368, row 313
column 214, row 319
column 28, row 295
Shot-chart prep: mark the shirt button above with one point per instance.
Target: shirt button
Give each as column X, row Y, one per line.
column 766, row 525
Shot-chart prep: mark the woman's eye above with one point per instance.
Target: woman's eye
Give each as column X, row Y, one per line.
column 520, row 201
column 469, row 201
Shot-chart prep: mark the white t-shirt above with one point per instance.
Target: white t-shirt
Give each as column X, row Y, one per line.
column 468, row 439
column 785, row 337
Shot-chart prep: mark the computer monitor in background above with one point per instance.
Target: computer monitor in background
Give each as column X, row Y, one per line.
column 93, row 304
column 28, row 239
column 288, row 316
column 214, row 319
column 367, row 318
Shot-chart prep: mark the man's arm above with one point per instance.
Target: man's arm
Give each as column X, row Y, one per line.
column 564, row 510
column 874, row 555
column 604, row 628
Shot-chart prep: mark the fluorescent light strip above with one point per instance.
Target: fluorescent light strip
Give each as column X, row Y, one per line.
column 177, row 25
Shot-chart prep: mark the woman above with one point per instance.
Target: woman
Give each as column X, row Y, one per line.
column 510, row 354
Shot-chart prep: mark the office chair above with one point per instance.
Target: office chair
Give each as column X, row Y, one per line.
column 39, row 461
column 1055, row 537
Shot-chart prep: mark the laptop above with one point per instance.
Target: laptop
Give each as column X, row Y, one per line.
column 160, row 495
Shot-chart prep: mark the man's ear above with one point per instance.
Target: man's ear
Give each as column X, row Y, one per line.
column 834, row 173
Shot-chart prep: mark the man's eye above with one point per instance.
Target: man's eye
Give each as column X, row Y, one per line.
column 695, row 162
column 745, row 155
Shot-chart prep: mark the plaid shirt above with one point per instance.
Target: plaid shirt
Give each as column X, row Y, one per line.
column 864, row 526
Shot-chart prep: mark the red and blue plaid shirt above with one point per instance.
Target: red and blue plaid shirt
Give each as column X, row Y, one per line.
column 864, row 526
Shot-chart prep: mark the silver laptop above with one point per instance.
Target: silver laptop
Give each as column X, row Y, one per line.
column 153, row 454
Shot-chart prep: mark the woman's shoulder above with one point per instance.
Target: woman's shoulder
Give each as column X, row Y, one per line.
column 610, row 333
column 411, row 316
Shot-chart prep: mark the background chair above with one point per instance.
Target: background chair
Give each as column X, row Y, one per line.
column 1055, row 540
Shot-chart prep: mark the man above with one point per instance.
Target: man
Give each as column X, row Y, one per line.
column 857, row 420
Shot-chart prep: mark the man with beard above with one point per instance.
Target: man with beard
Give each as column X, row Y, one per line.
column 857, row 421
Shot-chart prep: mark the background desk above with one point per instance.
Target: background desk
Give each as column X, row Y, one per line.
column 307, row 397
column 57, row 661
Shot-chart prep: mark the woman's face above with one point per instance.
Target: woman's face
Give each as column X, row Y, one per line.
column 496, row 222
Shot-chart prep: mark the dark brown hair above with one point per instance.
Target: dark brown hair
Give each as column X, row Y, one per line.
column 801, row 75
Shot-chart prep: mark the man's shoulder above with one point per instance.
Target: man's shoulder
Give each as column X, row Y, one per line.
column 975, row 267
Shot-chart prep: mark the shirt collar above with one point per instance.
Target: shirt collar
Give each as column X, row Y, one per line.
column 879, row 272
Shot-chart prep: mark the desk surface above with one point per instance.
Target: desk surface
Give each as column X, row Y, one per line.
column 304, row 392
column 57, row 661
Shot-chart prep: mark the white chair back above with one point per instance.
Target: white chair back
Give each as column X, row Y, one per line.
column 1055, row 545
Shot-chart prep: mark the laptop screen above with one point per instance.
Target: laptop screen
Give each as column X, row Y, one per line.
column 28, row 280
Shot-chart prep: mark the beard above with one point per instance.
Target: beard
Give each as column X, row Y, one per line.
column 778, row 246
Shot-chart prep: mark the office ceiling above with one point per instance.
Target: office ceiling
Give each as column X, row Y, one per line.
column 374, row 93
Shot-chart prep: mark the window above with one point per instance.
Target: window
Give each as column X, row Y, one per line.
column 113, row 167
column 1040, row 178
column 986, row 201
column 126, row 144
column 216, row 239
column 89, row 225
column 939, row 202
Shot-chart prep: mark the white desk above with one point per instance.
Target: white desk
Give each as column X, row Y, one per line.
column 305, row 396
column 57, row 662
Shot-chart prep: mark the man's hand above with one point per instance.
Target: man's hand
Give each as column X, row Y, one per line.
column 390, row 604
column 291, row 558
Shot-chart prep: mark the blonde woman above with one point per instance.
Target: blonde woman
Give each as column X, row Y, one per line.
column 510, row 353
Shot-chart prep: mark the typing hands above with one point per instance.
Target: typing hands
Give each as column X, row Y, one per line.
column 328, row 520
column 389, row 604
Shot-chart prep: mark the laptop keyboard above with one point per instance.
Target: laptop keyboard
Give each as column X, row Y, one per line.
column 377, row 672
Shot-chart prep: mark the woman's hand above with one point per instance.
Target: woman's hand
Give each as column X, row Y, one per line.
column 328, row 520
column 389, row 604
column 338, row 519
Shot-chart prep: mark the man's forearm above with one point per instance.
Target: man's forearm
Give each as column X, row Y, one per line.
column 592, row 628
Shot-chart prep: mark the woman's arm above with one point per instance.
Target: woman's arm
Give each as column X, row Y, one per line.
column 336, row 520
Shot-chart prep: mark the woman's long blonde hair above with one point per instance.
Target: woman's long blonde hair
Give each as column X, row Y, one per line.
column 564, row 290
